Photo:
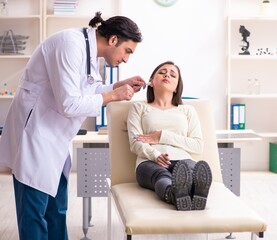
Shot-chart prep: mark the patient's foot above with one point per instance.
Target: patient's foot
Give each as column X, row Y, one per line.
column 181, row 186
column 202, row 179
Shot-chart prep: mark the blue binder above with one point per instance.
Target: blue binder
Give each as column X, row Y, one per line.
column 112, row 74
column 237, row 116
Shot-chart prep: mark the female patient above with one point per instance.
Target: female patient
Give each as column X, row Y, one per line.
column 163, row 133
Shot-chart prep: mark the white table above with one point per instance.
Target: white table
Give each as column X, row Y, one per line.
column 230, row 156
column 91, row 152
column 232, row 136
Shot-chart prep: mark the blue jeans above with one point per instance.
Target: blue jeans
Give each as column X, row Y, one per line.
column 39, row 215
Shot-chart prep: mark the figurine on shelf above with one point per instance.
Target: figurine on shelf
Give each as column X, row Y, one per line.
column 244, row 43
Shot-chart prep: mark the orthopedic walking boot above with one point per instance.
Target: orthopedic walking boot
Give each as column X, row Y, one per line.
column 202, row 179
column 181, row 186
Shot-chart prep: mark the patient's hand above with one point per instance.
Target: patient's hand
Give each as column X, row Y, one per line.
column 151, row 138
column 163, row 160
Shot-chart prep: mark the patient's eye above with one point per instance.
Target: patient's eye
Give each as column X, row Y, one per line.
column 173, row 74
column 164, row 71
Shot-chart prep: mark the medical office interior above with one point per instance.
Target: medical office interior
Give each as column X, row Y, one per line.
column 227, row 53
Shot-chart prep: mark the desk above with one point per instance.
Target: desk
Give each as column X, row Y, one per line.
column 231, row 136
column 93, row 167
column 230, row 156
column 80, row 141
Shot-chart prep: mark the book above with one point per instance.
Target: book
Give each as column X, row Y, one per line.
column 65, row 7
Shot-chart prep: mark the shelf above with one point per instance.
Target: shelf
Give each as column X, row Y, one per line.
column 252, row 18
column 19, row 17
column 6, row 97
column 71, row 16
column 254, row 57
column 254, row 96
column 17, row 56
column 268, row 134
column 231, row 136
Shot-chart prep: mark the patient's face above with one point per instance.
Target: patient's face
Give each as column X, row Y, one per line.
column 166, row 78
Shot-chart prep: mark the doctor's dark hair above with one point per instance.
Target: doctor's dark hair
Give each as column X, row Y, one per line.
column 177, row 96
column 123, row 27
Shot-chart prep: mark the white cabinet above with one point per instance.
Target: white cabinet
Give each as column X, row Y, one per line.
column 259, row 66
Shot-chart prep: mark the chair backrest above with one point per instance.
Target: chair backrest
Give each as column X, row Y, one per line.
column 123, row 161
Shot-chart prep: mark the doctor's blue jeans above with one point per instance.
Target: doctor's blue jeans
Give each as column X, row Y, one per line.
column 39, row 215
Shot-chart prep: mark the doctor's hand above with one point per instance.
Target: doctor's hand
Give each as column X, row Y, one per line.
column 135, row 82
column 124, row 92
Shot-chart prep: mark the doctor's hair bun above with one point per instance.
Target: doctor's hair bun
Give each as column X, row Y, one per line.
column 94, row 22
column 123, row 27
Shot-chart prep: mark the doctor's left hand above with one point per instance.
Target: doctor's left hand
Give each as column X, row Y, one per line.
column 135, row 82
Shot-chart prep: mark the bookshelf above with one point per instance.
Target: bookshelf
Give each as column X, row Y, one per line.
column 24, row 19
column 260, row 64
column 36, row 19
column 242, row 70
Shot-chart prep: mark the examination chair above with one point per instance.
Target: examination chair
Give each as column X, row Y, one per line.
column 143, row 213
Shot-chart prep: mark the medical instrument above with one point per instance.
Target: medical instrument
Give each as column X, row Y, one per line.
column 90, row 78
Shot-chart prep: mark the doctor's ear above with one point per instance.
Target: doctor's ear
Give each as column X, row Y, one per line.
column 113, row 40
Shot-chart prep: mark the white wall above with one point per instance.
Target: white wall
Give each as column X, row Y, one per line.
column 192, row 34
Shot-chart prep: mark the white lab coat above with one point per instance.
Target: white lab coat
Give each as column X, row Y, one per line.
column 52, row 101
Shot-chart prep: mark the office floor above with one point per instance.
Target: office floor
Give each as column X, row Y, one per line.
column 258, row 189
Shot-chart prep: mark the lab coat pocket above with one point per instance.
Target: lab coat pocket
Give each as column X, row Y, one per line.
column 27, row 120
column 54, row 127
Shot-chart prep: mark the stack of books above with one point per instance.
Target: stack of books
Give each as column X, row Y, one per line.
column 65, row 7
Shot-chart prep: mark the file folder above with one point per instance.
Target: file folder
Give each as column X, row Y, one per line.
column 273, row 157
column 111, row 75
column 237, row 116
column 242, row 116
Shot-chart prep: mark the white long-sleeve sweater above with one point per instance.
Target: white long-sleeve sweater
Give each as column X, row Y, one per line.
column 181, row 131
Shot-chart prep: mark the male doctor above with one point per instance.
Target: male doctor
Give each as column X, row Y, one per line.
column 58, row 90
